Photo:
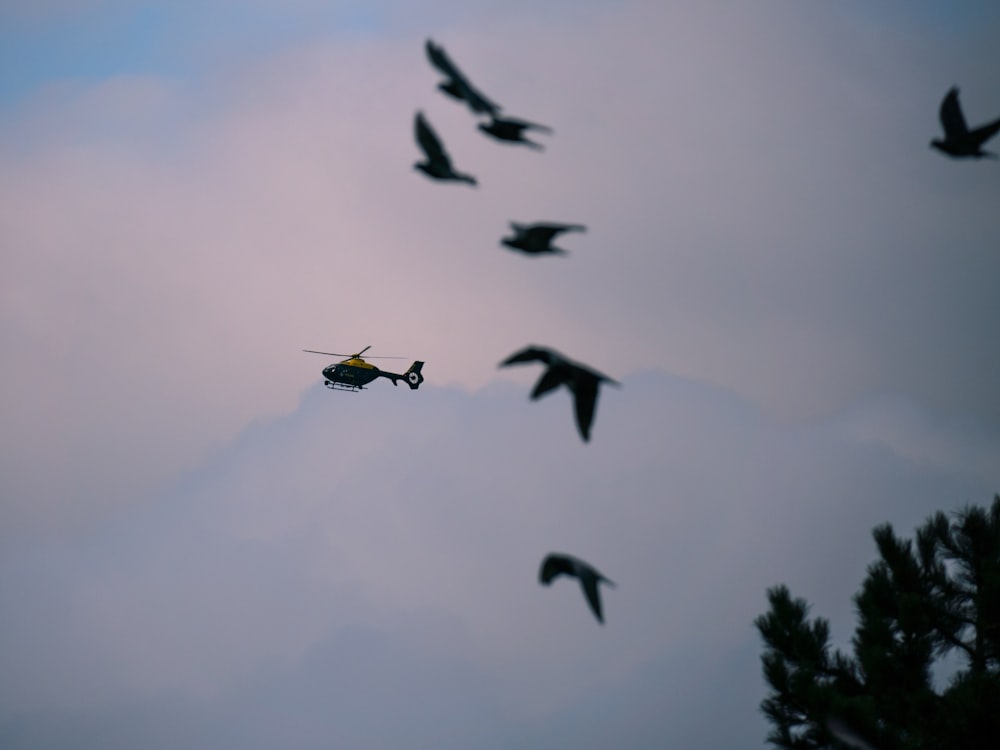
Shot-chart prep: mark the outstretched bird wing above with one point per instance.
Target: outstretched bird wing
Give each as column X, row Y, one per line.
column 589, row 579
column 585, row 402
column 585, row 384
column 556, row 564
column 552, row 378
column 983, row 133
column 477, row 100
column 459, row 83
column 545, row 232
column 429, row 142
column 516, row 122
column 532, row 354
column 952, row 119
column 479, row 103
column 440, row 60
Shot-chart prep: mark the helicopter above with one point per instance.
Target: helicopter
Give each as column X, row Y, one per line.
column 353, row 373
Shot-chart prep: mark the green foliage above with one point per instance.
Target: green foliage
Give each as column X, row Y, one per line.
column 919, row 602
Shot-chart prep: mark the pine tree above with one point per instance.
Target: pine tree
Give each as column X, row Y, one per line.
column 918, row 604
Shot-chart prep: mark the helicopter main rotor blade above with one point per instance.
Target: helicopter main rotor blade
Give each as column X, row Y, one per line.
column 334, row 354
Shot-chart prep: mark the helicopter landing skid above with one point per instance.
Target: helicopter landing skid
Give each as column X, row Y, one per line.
column 342, row 386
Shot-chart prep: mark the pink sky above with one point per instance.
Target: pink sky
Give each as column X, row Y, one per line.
column 764, row 218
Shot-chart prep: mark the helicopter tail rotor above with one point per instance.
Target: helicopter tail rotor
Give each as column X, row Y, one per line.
column 413, row 376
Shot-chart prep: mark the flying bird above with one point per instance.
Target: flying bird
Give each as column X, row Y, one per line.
column 457, row 85
column 958, row 140
column 437, row 163
column 581, row 381
column 511, row 129
column 555, row 565
column 536, row 239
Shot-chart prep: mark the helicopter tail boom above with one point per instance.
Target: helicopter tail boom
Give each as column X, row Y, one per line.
column 411, row 377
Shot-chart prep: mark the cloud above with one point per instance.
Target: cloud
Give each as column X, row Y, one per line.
column 382, row 550
column 778, row 229
column 765, row 221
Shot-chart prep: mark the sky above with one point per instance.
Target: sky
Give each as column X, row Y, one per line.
column 201, row 546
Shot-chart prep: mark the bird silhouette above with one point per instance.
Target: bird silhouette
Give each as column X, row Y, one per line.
column 437, row 163
column 958, row 140
column 511, row 129
column 536, row 239
column 582, row 381
column 557, row 564
column 457, row 85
